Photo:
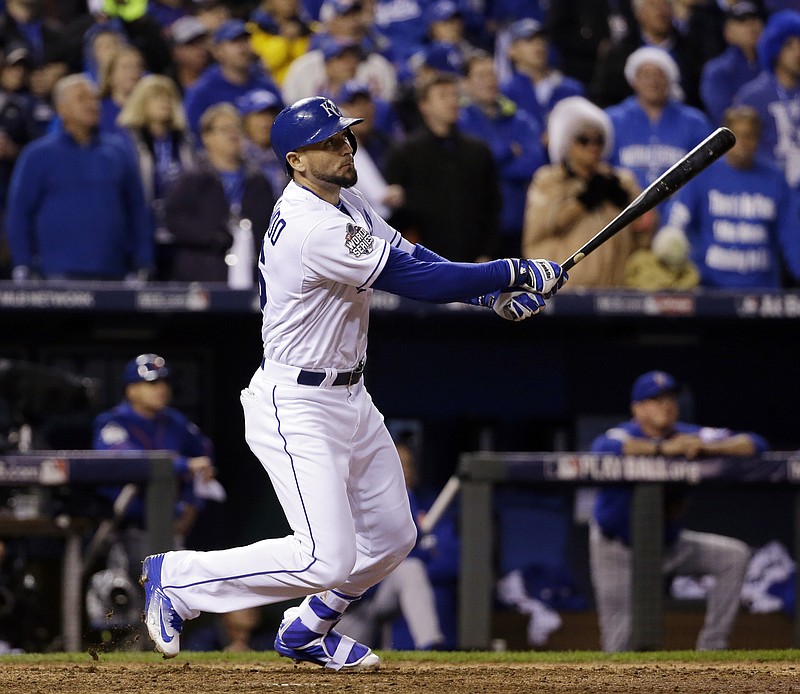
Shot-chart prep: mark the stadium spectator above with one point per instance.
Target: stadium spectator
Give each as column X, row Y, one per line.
column 655, row 29
column 212, row 13
column 449, row 178
column 578, row 193
column 380, row 127
column 356, row 101
column 655, row 430
column 235, row 73
column 343, row 21
column 43, row 79
column 119, row 76
column 433, row 59
column 258, row 110
column 741, row 221
column 99, row 43
column 24, row 23
column 583, row 31
column 341, row 61
column 775, row 93
column 76, row 205
column 653, row 128
column 16, row 124
column 140, row 30
column 218, row 211
column 725, row 74
column 189, row 48
column 402, row 23
column 154, row 120
column 280, row 32
column 535, row 86
column 515, row 141
column 445, row 20
column 665, row 265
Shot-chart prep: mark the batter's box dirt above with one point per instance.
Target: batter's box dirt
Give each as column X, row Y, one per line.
column 188, row 676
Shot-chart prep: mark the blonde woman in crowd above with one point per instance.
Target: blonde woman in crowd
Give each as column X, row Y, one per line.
column 575, row 196
column 155, row 122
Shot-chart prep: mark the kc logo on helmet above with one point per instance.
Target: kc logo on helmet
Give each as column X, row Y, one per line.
column 330, row 108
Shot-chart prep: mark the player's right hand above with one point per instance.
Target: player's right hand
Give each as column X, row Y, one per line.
column 539, row 276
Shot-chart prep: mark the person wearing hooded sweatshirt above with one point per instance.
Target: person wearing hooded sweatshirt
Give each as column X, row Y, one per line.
column 775, row 93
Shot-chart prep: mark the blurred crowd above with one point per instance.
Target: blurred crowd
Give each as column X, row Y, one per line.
column 135, row 135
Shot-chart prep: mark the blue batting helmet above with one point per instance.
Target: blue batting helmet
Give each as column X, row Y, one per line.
column 307, row 122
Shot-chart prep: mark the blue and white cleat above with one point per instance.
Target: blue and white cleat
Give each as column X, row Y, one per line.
column 334, row 650
column 164, row 625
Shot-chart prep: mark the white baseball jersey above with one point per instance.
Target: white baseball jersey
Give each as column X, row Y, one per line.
column 317, row 265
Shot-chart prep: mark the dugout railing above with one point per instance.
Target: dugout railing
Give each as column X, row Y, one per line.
column 480, row 473
column 152, row 470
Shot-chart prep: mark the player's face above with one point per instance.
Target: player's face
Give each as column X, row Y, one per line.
column 149, row 397
column 657, row 416
column 330, row 162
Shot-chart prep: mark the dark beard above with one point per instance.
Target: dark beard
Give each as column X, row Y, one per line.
column 343, row 181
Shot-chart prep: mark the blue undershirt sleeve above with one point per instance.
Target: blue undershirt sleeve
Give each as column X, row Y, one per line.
column 422, row 253
column 440, row 282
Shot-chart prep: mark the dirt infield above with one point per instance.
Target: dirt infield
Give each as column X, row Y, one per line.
column 183, row 676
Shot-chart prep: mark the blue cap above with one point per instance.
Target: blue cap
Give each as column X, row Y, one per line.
column 146, row 367
column 230, row 31
column 442, row 11
column 525, row 29
column 652, row 384
column 353, row 88
column 258, row 100
column 331, row 48
column 445, row 57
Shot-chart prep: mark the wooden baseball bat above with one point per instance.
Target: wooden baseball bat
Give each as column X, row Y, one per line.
column 701, row 157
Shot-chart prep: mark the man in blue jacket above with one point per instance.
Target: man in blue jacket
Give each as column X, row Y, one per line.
column 655, row 430
column 514, row 138
column 235, row 73
column 76, row 206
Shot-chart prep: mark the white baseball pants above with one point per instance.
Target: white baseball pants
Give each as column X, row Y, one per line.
column 338, row 477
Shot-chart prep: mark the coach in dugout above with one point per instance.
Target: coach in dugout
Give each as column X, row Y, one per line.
column 655, row 430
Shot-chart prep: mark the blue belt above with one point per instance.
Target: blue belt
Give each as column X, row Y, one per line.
column 315, row 378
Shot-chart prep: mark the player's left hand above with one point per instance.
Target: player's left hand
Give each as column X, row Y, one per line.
column 540, row 276
column 516, row 305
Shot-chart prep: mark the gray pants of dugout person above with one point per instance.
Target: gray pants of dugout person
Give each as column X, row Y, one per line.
column 406, row 591
column 693, row 554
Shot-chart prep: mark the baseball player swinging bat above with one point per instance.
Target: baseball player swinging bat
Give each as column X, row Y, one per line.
column 701, row 157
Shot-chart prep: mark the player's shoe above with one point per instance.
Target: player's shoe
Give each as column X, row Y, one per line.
column 164, row 625
column 334, row 650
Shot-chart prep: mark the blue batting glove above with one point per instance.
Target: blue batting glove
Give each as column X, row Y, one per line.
column 513, row 305
column 540, row 276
